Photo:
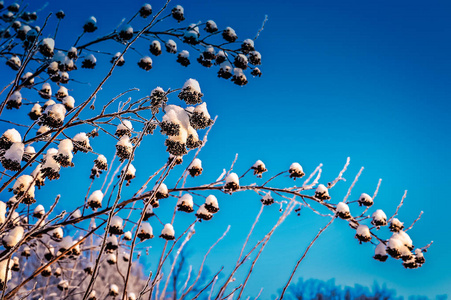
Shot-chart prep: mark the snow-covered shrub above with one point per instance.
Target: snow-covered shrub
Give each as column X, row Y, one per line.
column 168, row 232
column 343, row 211
column 322, row 192
column 363, row 233
column 232, row 182
column 185, row 203
column 195, row 168
column 178, row 13
column 379, row 218
column 259, row 168
column 229, row 35
column 155, row 48
column 95, row 199
column 183, row 58
column 211, row 204
column 13, row 156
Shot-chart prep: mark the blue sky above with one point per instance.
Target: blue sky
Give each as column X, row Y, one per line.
column 369, row 80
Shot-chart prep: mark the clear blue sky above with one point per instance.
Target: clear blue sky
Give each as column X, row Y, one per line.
column 369, row 80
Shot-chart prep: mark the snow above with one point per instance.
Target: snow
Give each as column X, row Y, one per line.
column 131, row 170
column 15, row 152
column 16, row 97
column 101, row 158
column 39, row 210
column 202, row 108
column 184, row 54
column 181, row 138
column 395, row 243
column 125, row 142
column 15, row 60
column 2, row 212
column 194, row 28
column 127, row 29
column 49, row 42
column 193, row 84
column 96, row 196
column 13, row 237
column 63, row 284
column 163, row 189
column 112, row 239
column 56, row 111
column 91, row 58
column 82, row 138
column 203, row 211
column 43, row 129
column 64, row 77
column 36, row 109
column 50, row 162
column 46, row 88
column 146, row 228
column 363, row 231
column 156, row 44
column 168, row 230
column 230, row 30
column 12, row 135
column 380, row 249
column 91, row 20
column 322, row 190
column 76, row 214
column 193, row 132
column 26, row 76
column 226, row 67
column 146, row 59
column 131, row 296
column 177, row 115
column 62, row 92
column 209, row 50
column 241, row 58
column 149, row 211
column 365, row 198
column 58, row 233
column 212, row 201
column 128, row 235
column 116, row 221
column 126, row 124
column 49, row 103
column 222, row 54
column 212, row 24
column 342, row 207
column 73, row 51
column 195, row 164
column 397, row 223
column 172, row 45
column 147, row 7
column 65, row 147
column 186, row 200
column 114, row 289
column 405, row 251
column 379, row 216
column 66, row 242
column 259, row 165
column 5, row 270
column 112, row 259
column 404, row 238
column 232, row 177
column 69, row 102
column 238, row 72
column 249, row 42
column 58, row 57
column 24, row 183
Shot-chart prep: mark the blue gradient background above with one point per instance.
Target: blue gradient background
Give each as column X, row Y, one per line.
column 369, row 80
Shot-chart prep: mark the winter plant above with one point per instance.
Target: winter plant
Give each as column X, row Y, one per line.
column 92, row 251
